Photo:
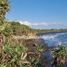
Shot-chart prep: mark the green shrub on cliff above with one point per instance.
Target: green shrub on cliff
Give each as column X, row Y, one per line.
column 19, row 29
column 4, row 8
column 60, row 56
column 12, row 56
column 61, row 51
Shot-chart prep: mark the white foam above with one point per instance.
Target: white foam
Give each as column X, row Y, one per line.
column 46, row 37
column 53, row 39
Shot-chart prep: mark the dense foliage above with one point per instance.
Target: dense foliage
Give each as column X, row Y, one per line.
column 4, row 8
column 60, row 56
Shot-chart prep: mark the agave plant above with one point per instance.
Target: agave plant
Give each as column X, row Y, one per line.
column 61, row 51
column 60, row 56
column 12, row 56
column 4, row 7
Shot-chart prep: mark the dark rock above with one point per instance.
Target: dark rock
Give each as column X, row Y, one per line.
column 33, row 43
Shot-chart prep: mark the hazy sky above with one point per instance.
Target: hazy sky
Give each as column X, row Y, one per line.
column 39, row 13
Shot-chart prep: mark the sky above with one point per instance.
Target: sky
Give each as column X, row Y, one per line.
column 40, row 14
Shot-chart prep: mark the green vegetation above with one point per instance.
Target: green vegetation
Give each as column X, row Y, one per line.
column 16, row 55
column 60, row 56
column 11, row 56
column 4, row 8
column 49, row 30
column 61, row 51
column 19, row 29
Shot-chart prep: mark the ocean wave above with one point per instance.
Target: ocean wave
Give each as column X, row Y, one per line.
column 55, row 39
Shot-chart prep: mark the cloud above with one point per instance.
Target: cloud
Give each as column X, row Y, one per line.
column 25, row 23
column 42, row 24
column 33, row 24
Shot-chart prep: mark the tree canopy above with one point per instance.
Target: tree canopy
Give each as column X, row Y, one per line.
column 4, row 8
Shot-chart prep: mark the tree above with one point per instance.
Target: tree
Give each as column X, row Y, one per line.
column 4, row 8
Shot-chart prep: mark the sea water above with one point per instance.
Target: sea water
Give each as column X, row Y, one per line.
column 55, row 39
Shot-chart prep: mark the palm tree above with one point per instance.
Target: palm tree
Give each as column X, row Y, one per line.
column 4, row 8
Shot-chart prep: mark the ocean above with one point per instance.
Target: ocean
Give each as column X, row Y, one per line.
column 55, row 39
